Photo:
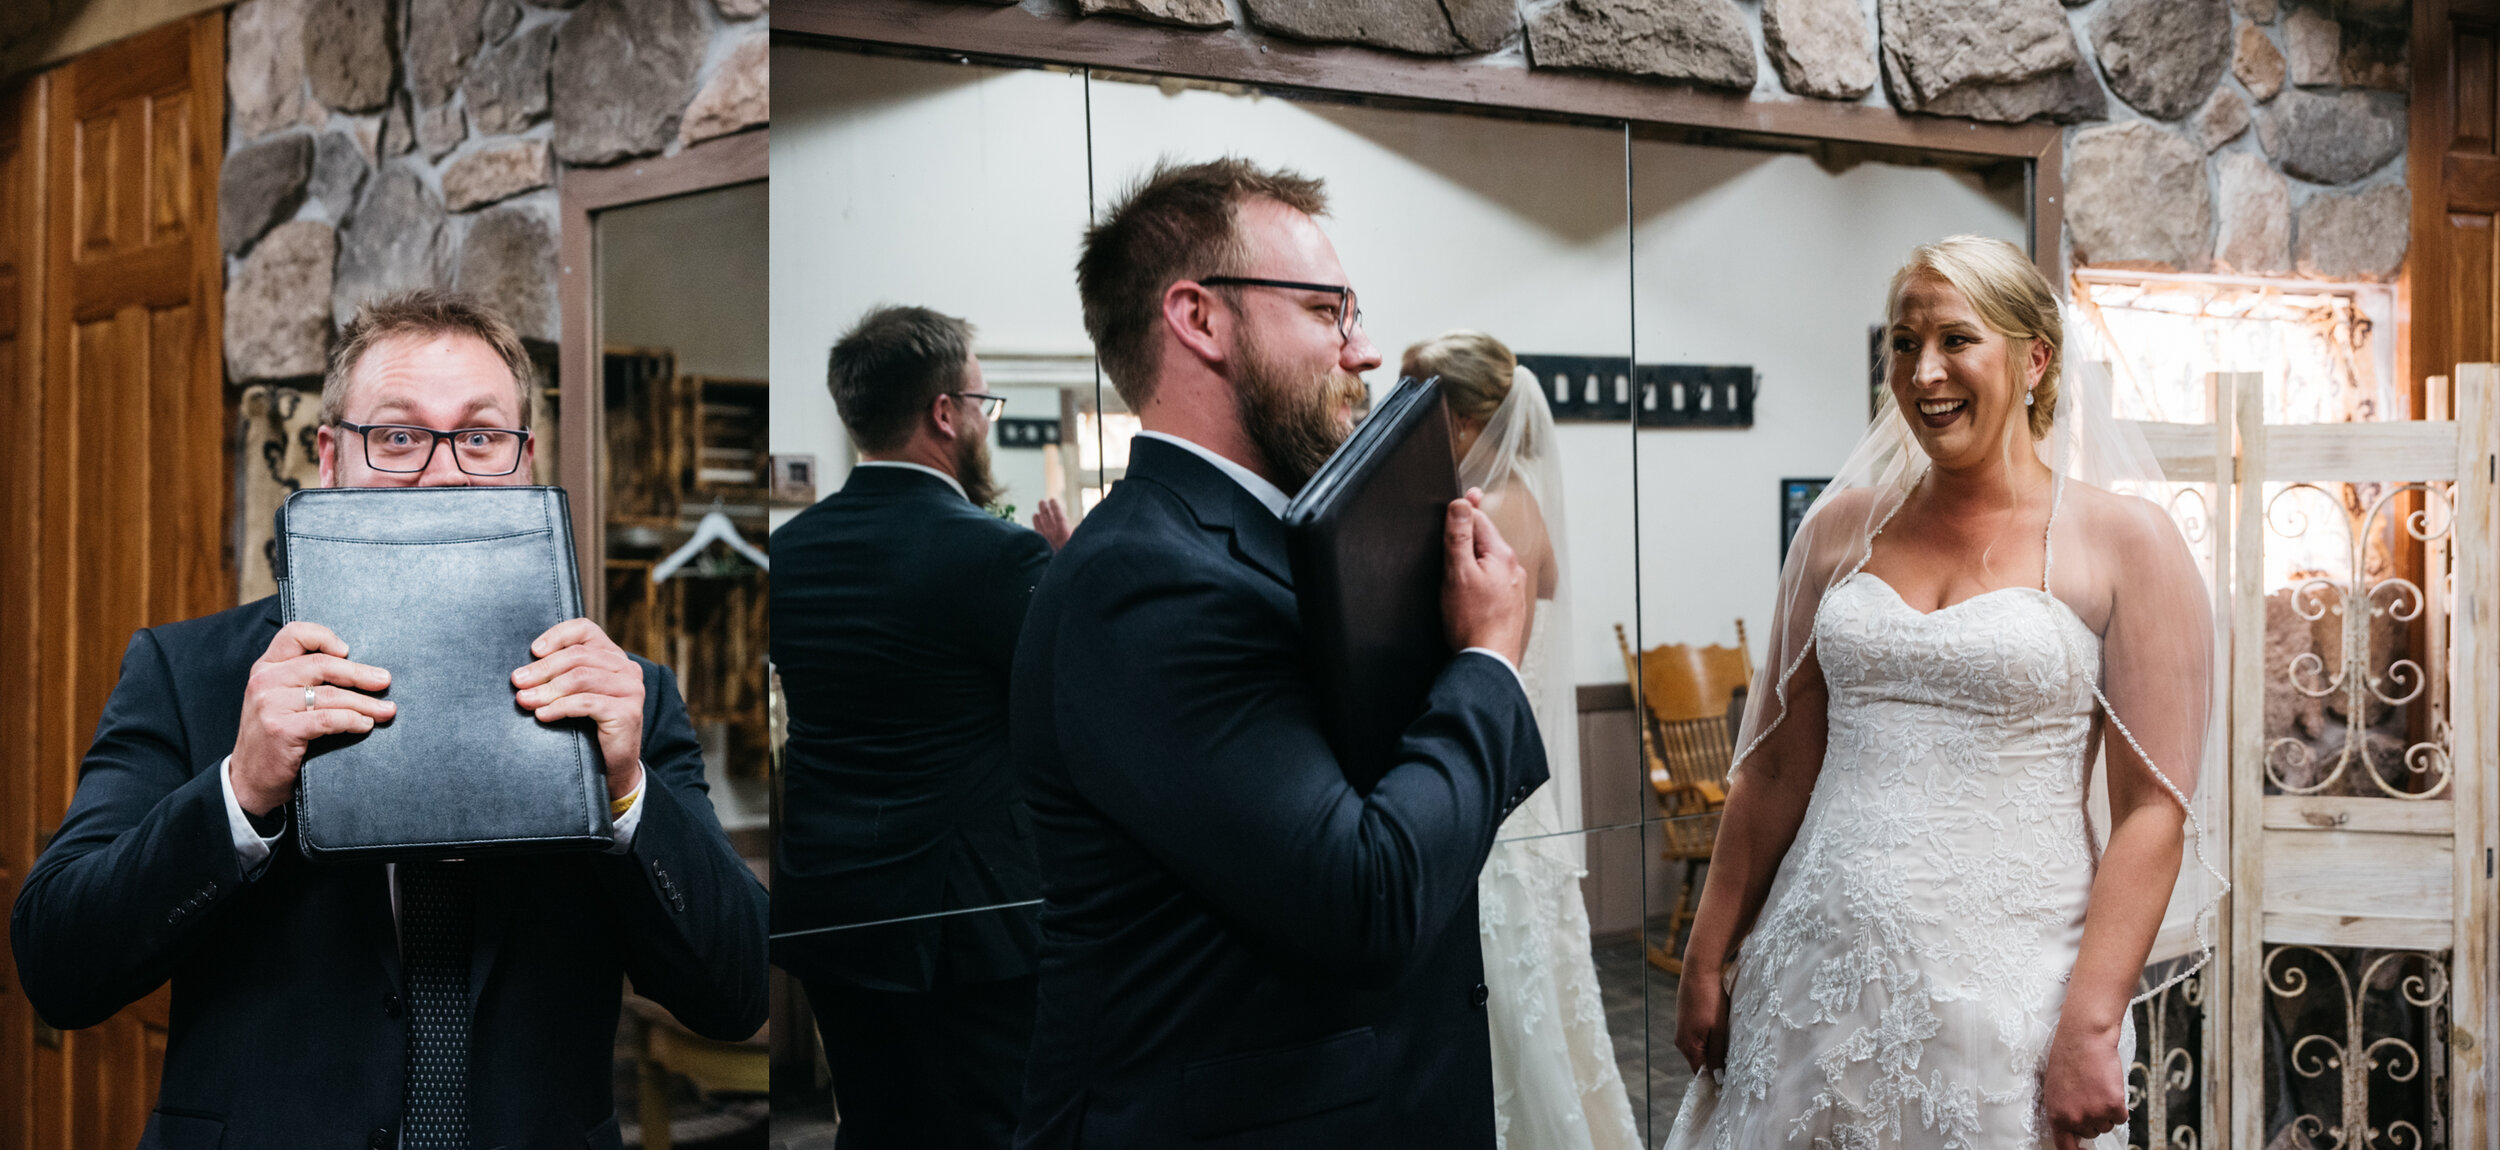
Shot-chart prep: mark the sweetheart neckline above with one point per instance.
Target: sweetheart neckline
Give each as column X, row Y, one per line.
column 1905, row 603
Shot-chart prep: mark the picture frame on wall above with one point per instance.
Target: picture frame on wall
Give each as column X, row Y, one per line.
column 793, row 480
column 1797, row 496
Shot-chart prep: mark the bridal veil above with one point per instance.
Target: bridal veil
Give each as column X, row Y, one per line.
column 1518, row 448
column 2119, row 558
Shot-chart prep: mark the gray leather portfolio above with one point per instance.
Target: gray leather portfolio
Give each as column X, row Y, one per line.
column 444, row 587
column 1364, row 536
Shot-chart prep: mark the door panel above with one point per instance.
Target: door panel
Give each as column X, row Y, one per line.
column 2455, row 179
column 21, row 134
column 2359, row 950
column 126, row 498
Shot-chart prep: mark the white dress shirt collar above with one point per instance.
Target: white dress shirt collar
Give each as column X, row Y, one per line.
column 1268, row 494
column 923, row 468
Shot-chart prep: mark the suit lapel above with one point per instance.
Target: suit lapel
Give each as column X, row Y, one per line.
column 493, row 911
column 369, row 893
column 1259, row 537
column 1218, row 503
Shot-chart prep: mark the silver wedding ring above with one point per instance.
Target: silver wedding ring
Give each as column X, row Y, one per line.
column 308, row 698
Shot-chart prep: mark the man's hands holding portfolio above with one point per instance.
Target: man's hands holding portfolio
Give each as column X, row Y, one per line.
column 583, row 674
column 302, row 688
column 1484, row 601
column 579, row 673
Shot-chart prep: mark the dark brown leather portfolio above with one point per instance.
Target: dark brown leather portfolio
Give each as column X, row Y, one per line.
column 1365, row 540
column 444, row 587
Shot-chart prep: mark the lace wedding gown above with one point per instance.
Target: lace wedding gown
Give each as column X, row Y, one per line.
column 1555, row 1084
column 1903, row 982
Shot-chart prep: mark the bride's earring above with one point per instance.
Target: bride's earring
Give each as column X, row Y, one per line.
column 2026, row 397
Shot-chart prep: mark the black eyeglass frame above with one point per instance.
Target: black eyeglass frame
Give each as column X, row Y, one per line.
column 992, row 404
column 1349, row 312
column 364, row 430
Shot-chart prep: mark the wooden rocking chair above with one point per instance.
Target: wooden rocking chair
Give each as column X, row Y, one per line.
column 1687, row 696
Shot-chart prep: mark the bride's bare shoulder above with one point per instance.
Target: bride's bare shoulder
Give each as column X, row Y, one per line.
column 1845, row 503
column 2121, row 521
column 1833, row 531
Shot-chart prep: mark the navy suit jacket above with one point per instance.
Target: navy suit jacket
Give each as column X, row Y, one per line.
column 896, row 605
column 288, row 1028
column 1239, row 949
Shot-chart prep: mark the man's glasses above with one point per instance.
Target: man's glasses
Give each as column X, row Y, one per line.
column 1349, row 316
column 991, row 404
column 482, row 451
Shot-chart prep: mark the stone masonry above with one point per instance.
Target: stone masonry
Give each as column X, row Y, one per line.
column 424, row 139
column 377, row 145
column 2256, row 137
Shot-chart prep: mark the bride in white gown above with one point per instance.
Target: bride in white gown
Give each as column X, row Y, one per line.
column 1938, row 946
column 1555, row 1083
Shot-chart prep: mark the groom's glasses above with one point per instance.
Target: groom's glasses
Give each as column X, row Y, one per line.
column 1349, row 316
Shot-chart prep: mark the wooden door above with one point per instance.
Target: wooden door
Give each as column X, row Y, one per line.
column 2454, row 278
column 21, row 147
column 126, row 485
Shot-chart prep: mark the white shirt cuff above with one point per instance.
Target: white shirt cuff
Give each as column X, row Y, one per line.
column 624, row 824
column 251, row 851
column 1507, row 665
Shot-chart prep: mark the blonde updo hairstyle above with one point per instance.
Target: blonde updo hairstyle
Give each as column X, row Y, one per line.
column 1475, row 370
column 2010, row 296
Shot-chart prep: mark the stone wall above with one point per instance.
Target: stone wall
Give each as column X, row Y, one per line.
column 377, row 145
column 2257, row 137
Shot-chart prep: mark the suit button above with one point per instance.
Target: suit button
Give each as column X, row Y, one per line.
column 174, row 917
column 209, row 890
column 390, row 1005
column 379, row 1139
column 1476, row 997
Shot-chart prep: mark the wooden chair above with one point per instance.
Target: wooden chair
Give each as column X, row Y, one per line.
column 664, row 1047
column 1687, row 696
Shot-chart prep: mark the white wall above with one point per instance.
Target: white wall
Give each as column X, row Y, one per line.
column 952, row 187
column 1445, row 222
column 964, row 189
column 1766, row 260
column 680, row 274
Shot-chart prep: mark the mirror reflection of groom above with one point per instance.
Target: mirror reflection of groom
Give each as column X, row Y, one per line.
column 1237, row 945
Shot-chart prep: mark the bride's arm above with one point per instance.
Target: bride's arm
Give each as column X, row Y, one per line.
column 2083, row 1087
column 2158, row 662
column 1765, row 805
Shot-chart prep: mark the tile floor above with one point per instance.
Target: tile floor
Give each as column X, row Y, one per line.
column 1653, row 1074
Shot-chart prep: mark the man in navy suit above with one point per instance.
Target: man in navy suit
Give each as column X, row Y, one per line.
column 1240, row 948
column 322, row 1004
column 896, row 603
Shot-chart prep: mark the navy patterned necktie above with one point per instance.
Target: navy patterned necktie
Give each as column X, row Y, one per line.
column 437, row 918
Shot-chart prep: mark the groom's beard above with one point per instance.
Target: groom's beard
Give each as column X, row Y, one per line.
column 972, row 469
column 1296, row 419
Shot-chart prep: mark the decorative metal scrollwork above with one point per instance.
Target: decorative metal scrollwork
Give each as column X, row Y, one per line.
column 2352, row 1056
column 2356, row 600
column 2189, row 510
column 2171, row 1069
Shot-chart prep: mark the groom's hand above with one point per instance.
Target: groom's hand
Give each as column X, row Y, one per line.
column 1484, row 600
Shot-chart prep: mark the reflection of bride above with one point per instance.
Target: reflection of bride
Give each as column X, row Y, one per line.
column 1555, row 1083
column 1939, row 948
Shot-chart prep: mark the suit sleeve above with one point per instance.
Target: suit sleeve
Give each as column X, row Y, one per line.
column 1185, row 717
column 693, row 915
column 142, row 858
column 997, row 618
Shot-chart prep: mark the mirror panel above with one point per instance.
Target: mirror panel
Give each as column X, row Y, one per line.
column 1758, row 279
column 951, row 186
column 682, row 316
